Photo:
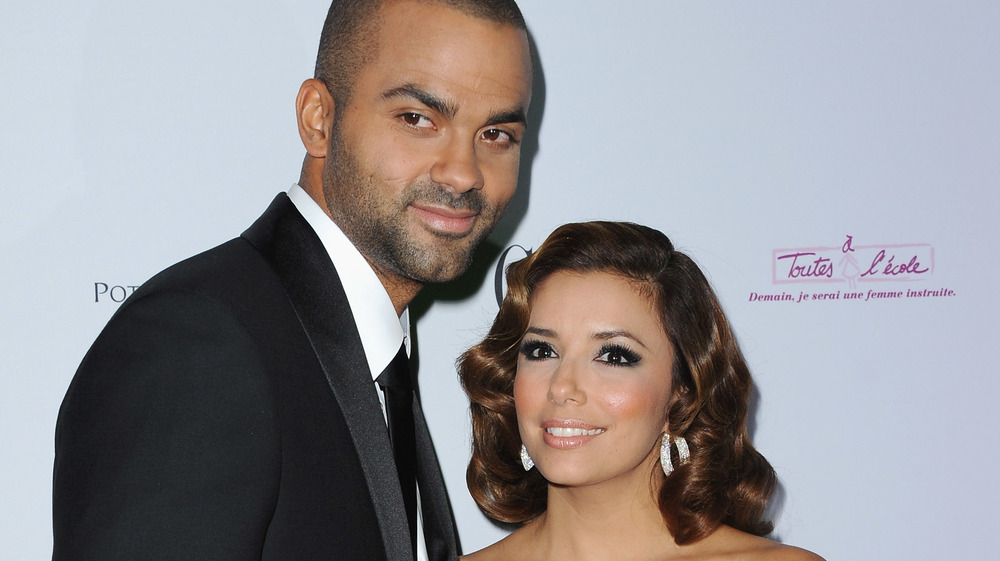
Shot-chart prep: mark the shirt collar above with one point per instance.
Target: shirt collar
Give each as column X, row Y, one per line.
column 380, row 329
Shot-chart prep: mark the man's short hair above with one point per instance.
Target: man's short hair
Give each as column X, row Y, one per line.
column 349, row 39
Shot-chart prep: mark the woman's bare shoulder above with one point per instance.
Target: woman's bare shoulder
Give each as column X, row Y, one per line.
column 511, row 547
column 783, row 552
column 734, row 544
column 488, row 553
column 725, row 544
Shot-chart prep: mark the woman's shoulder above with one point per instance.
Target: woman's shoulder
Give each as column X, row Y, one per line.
column 488, row 553
column 512, row 546
column 781, row 552
column 495, row 552
column 725, row 544
column 730, row 543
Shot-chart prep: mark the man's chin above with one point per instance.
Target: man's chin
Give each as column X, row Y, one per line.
column 436, row 265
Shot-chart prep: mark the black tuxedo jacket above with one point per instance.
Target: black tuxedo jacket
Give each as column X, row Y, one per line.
column 227, row 412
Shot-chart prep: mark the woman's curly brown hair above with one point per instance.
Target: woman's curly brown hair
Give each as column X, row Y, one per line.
column 726, row 482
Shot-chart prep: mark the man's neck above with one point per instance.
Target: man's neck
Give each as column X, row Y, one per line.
column 401, row 290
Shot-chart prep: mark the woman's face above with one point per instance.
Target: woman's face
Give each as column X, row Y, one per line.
column 593, row 380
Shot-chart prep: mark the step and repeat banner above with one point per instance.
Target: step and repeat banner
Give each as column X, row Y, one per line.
column 832, row 166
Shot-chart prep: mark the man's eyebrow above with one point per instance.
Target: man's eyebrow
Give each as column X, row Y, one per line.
column 448, row 109
column 517, row 115
column 430, row 100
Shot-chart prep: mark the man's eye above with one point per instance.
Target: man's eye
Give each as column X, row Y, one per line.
column 498, row 136
column 494, row 134
column 416, row 120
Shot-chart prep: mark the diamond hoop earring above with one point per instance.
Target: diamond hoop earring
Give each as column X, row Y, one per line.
column 683, row 453
column 665, row 463
column 526, row 462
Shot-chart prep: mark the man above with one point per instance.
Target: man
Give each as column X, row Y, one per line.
column 231, row 408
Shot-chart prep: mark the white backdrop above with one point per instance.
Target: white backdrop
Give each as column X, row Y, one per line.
column 133, row 135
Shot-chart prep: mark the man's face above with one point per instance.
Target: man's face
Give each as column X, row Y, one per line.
column 424, row 156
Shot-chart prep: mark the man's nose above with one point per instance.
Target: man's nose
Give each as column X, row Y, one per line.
column 457, row 166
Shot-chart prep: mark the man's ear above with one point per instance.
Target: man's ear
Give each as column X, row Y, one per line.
column 315, row 113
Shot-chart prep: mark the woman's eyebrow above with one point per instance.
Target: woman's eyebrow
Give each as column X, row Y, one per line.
column 544, row 332
column 612, row 333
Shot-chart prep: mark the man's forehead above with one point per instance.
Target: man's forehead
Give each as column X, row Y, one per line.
column 434, row 48
column 469, row 8
column 409, row 16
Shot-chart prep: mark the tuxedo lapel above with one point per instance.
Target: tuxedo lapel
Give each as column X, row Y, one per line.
column 439, row 523
column 317, row 295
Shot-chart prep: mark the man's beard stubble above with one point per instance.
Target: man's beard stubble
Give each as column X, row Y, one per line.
column 376, row 223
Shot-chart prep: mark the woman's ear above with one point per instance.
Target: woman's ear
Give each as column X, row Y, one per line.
column 314, row 110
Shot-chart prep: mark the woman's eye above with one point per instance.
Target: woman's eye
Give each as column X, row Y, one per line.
column 617, row 355
column 416, row 120
column 536, row 350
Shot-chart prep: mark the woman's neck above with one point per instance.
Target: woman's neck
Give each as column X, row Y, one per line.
column 605, row 521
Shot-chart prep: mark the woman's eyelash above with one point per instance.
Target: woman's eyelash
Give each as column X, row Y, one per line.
column 537, row 350
column 615, row 354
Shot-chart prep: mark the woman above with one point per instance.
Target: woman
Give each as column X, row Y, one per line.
column 609, row 406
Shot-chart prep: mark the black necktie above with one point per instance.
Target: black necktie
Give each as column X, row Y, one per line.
column 398, row 389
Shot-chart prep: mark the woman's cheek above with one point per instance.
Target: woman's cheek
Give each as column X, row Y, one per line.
column 631, row 402
column 526, row 394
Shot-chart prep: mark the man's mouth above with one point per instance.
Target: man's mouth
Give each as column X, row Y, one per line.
column 446, row 220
